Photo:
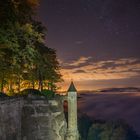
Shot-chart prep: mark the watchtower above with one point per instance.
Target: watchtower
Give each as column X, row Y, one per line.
column 72, row 132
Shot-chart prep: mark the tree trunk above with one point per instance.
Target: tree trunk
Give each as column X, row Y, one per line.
column 32, row 82
column 40, row 86
column 2, row 84
column 19, row 84
column 11, row 86
column 48, row 86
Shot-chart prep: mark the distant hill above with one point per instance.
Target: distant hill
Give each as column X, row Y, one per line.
column 126, row 89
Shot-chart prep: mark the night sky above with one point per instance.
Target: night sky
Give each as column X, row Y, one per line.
column 97, row 41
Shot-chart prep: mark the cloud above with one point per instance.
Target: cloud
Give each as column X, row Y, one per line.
column 81, row 60
column 60, row 61
column 102, row 70
column 79, row 71
column 126, row 61
column 79, row 42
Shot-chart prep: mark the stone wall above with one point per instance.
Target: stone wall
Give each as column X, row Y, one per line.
column 43, row 119
column 32, row 118
column 10, row 119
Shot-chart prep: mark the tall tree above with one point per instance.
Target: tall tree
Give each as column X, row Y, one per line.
column 23, row 53
column 17, row 10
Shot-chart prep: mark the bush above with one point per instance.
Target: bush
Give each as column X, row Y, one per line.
column 48, row 93
column 31, row 91
column 2, row 94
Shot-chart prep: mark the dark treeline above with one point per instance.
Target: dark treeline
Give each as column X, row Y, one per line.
column 104, row 130
column 25, row 60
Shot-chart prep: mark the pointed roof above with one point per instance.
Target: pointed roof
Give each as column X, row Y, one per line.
column 72, row 88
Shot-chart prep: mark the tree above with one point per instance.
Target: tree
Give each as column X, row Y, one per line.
column 111, row 131
column 20, row 11
column 84, row 124
column 23, row 53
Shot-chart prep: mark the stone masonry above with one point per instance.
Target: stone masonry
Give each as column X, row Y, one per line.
column 32, row 118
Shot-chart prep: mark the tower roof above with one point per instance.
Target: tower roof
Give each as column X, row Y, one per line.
column 72, row 88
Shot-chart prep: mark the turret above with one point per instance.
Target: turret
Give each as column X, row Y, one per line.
column 72, row 133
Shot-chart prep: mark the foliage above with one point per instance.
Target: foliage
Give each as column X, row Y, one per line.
column 104, row 130
column 31, row 91
column 111, row 131
column 17, row 11
column 48, row 93
column 25, row 60
column 3, row 94
column 84, row 123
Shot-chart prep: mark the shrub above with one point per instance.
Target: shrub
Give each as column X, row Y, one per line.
column 31, row 91
column 48, row 93
column 2, row 94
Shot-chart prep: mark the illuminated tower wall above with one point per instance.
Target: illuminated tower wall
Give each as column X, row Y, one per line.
column 72, row 133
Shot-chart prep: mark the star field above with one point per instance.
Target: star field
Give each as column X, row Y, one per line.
column 101, row 29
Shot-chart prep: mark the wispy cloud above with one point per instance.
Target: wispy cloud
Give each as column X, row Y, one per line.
column 81, row 60
column 79, row 42
column 102, row 70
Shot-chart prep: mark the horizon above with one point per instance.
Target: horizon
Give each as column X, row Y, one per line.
column 95, row 90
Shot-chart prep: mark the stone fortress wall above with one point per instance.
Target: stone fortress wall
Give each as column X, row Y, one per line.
column 32, row 118
column 10, row 118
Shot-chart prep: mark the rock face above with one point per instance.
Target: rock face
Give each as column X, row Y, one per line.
column 33, row 118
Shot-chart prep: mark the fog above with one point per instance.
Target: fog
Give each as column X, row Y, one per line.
column 112, row 106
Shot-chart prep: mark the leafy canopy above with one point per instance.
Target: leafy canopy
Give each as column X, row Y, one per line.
column 25, row 60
